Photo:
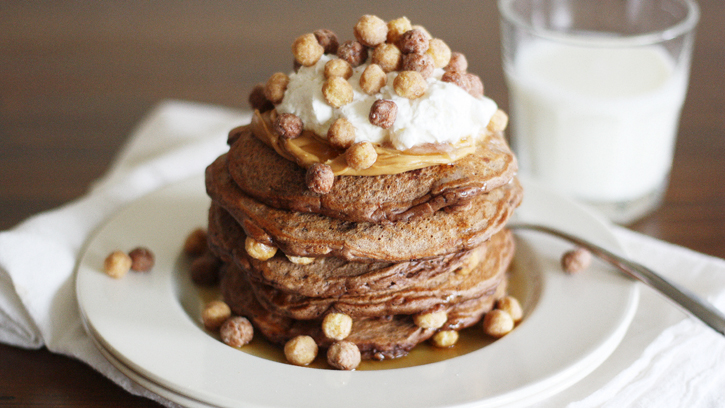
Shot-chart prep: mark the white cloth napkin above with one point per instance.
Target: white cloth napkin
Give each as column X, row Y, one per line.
column 665, row 360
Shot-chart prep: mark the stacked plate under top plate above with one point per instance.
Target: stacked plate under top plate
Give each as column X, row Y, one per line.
column 148, row 324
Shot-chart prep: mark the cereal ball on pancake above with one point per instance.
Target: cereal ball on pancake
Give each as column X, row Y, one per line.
column 307, row 50
column 371, row 30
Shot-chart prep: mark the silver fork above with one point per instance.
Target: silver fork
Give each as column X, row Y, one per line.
column 690, row 302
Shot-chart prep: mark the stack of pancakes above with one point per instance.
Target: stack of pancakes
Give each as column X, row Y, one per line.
column 381, row 249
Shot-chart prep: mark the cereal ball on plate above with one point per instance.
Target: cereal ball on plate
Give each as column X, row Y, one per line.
column 576, row 260
column 300, row 350
column 214, row 314
column 497, row 323
column 236, row 331
column 195, row 243
column 142, row 259
column 445, row 338
column 511, row 305
column 117, row 264
column 344, row 355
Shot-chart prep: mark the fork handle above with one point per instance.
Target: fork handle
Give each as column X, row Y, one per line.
column 690, row 302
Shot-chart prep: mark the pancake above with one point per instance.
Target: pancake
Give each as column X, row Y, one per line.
column 314, row 235
column 377, row 338
column 377, row 199
column 424, row 295
column 331, row 276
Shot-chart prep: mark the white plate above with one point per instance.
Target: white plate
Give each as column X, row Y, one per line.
column 144, row 325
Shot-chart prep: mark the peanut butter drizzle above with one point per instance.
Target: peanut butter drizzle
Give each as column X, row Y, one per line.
column 309, row 148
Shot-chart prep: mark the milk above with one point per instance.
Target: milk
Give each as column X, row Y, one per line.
column 603, row 140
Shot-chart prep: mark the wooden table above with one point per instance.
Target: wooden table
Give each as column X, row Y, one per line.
column 75, row 77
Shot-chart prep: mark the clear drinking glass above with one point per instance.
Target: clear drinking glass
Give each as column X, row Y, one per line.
column 596, row 88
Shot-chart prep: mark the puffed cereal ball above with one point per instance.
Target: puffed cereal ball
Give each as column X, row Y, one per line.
column 373, row 79
column 476, row 85
column 383, row 113
column 288, row 126
column 341, row 134
column 142, row 259
column 258, row 101
column 117, row 264
column 236, row 331
column 497, row 323
column 576, row 260
column 511, row 305
column 214, row 314
column 440, row 52
column 361, row 156
column 275, row 87
column 343, row 355
column 320, row 178
column 195, row 243
column 422, row 29
column 300, row 260
column 398, row 27
column 337, row 326
column 307, row 50
column 457, row 63
column 413, row 41
column 301, row 350
column 353, row 52
column 337, row 68
column 445, row 338
column 498, row 121
column 410, row 84
column 328, row 40
column 337, row 92
column 421, row 63
column 430, row 320
column 388, row 56
column 205, row 269
column 259, row 250
column 370, row 30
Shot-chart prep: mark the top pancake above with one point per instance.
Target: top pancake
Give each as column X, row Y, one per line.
column 271, row 179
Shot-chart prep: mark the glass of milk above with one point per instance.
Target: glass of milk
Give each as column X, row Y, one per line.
column 596, row 88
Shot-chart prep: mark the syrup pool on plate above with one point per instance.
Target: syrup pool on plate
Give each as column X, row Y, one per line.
column 193, row 298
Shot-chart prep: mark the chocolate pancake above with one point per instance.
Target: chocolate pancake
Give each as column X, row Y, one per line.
column 482, row 280
column 313, row 235
column 273, row 180
column 331, row 276
column 377, row 338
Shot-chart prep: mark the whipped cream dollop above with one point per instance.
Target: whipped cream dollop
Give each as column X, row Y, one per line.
column 444, row 114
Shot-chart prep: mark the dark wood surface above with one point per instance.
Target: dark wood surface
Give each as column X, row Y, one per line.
column 75, row 77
